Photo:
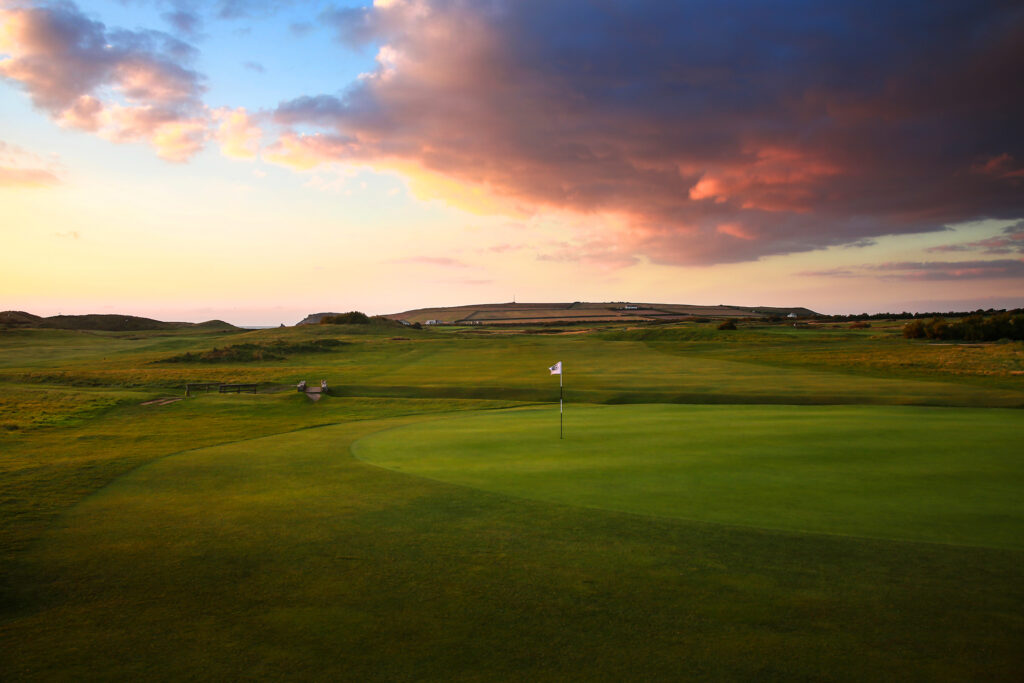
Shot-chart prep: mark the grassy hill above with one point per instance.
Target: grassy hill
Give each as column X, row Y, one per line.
column 582, row 312
column 103, row 322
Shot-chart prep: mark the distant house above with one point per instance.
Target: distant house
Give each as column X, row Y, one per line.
column 629, row 307
column 791, row 315
column 434, row 322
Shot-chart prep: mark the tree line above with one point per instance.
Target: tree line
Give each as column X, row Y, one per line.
column 974, row 327
column 914, row 316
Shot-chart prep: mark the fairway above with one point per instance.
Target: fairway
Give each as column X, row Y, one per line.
column 940, row 475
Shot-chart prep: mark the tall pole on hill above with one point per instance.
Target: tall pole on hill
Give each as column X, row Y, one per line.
column 556, row 369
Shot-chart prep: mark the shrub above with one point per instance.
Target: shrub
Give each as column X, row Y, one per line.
column 975, row 327
column 350, row 318
column 859, row 324
column 914, row 330
column 245, row 353
column 727, row 325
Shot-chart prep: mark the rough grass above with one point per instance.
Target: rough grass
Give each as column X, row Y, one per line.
column 32, row 406
column 250, row 352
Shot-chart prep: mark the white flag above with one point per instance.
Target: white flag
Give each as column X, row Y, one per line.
column 556, row 369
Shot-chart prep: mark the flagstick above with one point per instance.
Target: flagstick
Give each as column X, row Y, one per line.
column 560, row 403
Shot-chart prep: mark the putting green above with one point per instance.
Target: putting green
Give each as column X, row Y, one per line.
column 945, row 475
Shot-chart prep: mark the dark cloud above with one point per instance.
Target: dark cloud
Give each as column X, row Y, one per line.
column 931, row 270
column 952, row 270
column 719, row 132
column 1010, row 240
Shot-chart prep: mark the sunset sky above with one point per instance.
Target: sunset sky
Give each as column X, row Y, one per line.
column 259, row 160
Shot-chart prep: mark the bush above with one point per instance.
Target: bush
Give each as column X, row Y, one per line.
column 859, row 324
column 350, row 318
column 914, row 330
column 975, row 327
column 727, row 325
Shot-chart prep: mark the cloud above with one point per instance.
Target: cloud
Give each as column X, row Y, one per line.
column 718, row 134
column 1002, row 166
column 21, row 168
column 598, row 253
column 1009, row 241
column 185, row 22
column 255, row 66
column 238, row 136
column 953, row 270
column 443, row 261
column 932, row 270
column 469, row 282
column 126, row 86
column 27, row 177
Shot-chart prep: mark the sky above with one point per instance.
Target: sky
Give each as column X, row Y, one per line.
column 258, row 160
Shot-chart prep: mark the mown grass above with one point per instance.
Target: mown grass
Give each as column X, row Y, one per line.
column 46, row 470
column 943, row 475
column 285, row 558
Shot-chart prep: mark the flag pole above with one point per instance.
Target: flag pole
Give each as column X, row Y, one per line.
column 560, row 404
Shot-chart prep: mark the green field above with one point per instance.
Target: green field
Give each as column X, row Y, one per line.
column 768, row 504
column 943, row 475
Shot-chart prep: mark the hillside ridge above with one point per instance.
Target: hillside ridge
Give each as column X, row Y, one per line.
column 105, row 322
column 582, row 311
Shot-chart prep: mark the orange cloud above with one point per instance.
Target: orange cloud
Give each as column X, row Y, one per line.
column 238, row 136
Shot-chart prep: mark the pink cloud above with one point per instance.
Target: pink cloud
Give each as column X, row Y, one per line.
column 126, row 86
column 21, row 168
column 26, row 177
column 601, row 253
column 1001, row 166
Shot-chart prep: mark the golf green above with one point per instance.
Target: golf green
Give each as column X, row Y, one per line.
column 944, row 475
